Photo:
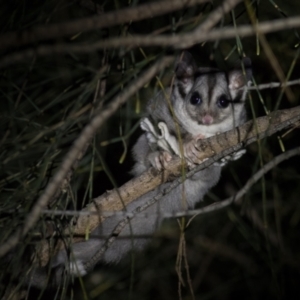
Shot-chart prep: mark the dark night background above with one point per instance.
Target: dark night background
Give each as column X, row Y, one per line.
column 47, row 100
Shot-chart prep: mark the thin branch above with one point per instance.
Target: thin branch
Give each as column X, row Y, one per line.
column 213, row 148
column 273, row 85
column 181, row 41
column 132, row 14
column 76, row 149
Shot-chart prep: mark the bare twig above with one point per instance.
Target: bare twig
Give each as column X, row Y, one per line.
column 76, row 149
column 273, row 85
column 141, row 12
column 180, row 41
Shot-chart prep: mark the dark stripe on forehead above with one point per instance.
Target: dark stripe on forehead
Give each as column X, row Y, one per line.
column 211, row 84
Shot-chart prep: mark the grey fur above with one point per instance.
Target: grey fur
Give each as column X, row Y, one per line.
column 210, row 84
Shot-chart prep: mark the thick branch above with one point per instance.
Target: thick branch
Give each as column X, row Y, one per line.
column 215, row 147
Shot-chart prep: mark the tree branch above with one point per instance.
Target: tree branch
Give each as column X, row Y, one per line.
column 181, row 41
column 213, row 148
column 210, row 208
column 132, row 14
column 273, row 85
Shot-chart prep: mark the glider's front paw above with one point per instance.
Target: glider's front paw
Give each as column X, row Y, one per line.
column 159, row 159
